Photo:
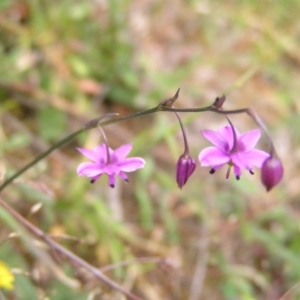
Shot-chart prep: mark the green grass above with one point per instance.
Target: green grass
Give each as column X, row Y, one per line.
column 64, row 63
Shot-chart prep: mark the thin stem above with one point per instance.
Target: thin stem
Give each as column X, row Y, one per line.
column 91, row 124
column 132, row 116
column 250, row 112
column 186, row 146
column 42, row 156
column 95, row 122
column 106, row 144
column 234, row 146
column 253, row 114
column 65, row 252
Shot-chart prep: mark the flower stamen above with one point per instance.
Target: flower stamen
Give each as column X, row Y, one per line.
column 228, row 171
column 212, row 171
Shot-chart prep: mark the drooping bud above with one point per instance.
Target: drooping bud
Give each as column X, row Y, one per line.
column 271, row 172
column 186, row 166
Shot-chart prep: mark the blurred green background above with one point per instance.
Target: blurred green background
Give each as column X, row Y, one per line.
column 65, row 62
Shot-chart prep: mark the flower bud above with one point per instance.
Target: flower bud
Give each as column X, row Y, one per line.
column 271, row 172
column 186, row 166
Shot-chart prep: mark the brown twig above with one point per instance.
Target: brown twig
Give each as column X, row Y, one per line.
column 65, row 252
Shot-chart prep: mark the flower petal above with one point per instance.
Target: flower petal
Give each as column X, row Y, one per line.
column 89, row 153
column 248, row 140
column 95, row 178
column 102, row 153
column 250, row 159
column 216, row 139
column 131, row 164
column 217, row 167
column 123, row 176
column 122, row 151
column 227, row 134
column 6, row 277
column 111, row 169
column 213, row 157
column 89, row 169
column 237, row 170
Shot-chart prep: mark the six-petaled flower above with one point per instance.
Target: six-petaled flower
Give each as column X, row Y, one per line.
column 110, row 162
column 229, row 147
column 236, row 150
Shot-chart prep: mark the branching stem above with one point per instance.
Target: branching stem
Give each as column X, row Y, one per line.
column 97, row 122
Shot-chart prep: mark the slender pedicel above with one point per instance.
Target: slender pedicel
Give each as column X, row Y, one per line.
column 186, row 165
column 234, row 144
column 163, row 106
column 92, row 124
column 108, row 160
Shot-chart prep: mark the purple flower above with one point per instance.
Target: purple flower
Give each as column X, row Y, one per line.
column 186, row 166
column 236, row 150
column 108, row 161
column 271, row 172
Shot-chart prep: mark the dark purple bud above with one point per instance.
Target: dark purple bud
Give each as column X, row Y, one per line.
column 271, row 172
column 186, row 166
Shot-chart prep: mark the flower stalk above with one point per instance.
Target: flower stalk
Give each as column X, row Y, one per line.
column 160, row 108
column 186, row 165
column 108, row 160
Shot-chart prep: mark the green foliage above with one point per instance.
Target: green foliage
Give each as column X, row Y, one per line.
column 66, row 62
column 50, row 121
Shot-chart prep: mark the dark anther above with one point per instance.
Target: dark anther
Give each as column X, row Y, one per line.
column 251, row 172
column 212, row 171
column 92, row 181
column 112, row 185
column 237, row 177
